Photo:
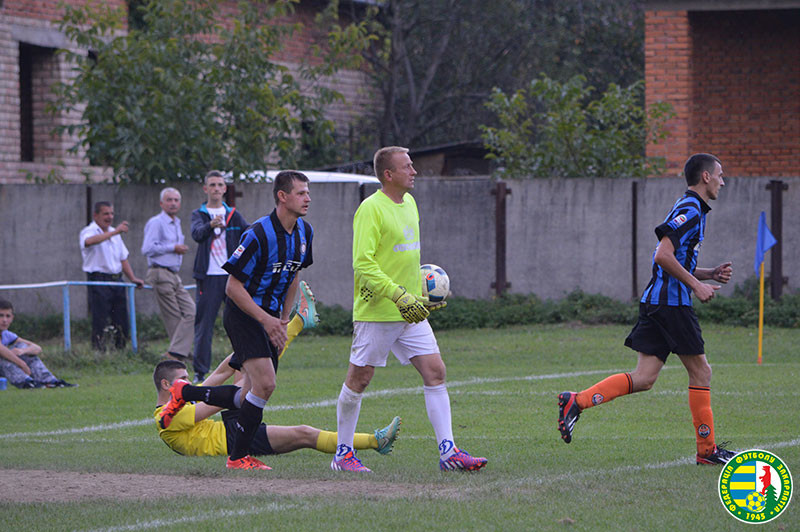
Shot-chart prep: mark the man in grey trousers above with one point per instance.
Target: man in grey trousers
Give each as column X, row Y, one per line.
column 164, row 248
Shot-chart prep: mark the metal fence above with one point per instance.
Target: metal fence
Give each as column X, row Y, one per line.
column 66, row 307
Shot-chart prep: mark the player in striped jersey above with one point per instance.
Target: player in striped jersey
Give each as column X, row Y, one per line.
column 667, row 322
column 263, row 275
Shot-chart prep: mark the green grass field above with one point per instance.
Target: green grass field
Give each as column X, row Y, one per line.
column 630, row 465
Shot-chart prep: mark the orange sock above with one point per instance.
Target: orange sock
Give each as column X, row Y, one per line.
column 703, row 419
column 606, row 390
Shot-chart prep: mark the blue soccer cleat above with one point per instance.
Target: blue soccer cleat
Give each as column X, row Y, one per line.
column 305, row 307
column 387, row 435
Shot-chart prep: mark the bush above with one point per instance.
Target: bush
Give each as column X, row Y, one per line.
column 741, row 309
column 148, row 327
column 333, row 320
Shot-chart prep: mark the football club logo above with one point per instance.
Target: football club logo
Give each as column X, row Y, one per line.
column 755, row 486
column 597, row 399
column 342, row 450
column 679, row 220
column 445, row 446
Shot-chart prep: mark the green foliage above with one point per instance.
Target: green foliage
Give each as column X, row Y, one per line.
column 553, row 129
column 741, row 309
column 436, row 61
column 185, row 89
column 333, row 320
column 148, row 327
column 515, row 309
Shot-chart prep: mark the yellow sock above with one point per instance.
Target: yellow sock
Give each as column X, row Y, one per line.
column 364, row 441
column 292, row 330
column 327, row 440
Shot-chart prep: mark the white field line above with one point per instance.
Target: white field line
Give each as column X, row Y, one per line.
column 332, row 402
column 307, row 406
column 602, row 473
column 491, row 486
column 207, row 516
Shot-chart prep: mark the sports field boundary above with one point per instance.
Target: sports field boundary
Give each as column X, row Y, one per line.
column 332, row 402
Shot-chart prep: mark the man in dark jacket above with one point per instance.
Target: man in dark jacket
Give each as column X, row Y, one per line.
column 216, row 228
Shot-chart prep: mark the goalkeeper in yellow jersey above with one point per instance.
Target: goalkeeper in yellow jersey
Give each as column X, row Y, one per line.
column 389, row 312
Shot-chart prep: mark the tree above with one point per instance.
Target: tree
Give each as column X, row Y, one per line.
column 185, row 89
column 552, row 129
column 436, row 61
column 770, row 499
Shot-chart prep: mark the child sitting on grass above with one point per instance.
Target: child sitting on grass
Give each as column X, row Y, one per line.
column 19, row 361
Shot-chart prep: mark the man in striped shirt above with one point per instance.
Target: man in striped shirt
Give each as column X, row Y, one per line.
column 667, row 322
column 263, row 275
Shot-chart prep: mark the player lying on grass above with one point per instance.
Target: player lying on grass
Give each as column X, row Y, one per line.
column 190, row 431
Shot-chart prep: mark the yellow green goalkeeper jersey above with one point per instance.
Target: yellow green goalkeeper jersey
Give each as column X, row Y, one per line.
column 385, row 254
column 204, row 438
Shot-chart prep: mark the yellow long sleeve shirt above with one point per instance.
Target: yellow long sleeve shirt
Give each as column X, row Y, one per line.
column 386, row 253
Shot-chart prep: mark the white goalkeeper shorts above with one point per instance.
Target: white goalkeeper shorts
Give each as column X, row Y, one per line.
column 373, row 340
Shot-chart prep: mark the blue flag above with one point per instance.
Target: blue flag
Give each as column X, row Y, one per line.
column 764, row 241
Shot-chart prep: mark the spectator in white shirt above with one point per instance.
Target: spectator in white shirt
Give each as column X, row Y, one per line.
column 105, row 258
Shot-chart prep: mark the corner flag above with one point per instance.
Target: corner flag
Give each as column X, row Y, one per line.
column 764, row 241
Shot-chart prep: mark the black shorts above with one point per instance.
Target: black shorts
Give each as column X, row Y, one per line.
column 662, row 329
column 260, row 445
column 248, row 337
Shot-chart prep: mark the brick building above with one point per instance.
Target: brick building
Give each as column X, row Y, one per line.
column 29, row 65
column 731, row 69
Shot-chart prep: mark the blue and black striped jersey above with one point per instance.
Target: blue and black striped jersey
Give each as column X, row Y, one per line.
column 684, row 226
column 268, row 258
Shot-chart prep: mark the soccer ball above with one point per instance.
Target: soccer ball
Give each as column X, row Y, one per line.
column 435, row 283
column 755, row 502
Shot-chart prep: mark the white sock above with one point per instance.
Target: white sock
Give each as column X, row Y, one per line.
column 347, row 409
column 437, row 401
column 256, row 400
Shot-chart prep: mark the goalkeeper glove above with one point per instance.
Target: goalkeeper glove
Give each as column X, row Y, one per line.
column 430, row 305
column 412, row 310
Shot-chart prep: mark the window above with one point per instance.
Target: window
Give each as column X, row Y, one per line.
column 38, row 69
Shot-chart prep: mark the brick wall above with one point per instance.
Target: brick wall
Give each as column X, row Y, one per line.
column 32, row 21
column 733, row 78
column 746, row 90
column 668, row 77
column 41, row 10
